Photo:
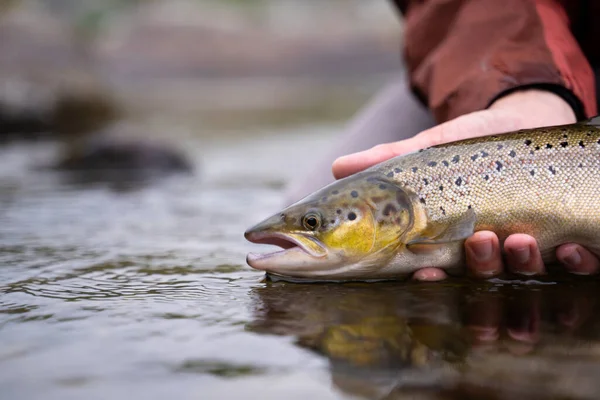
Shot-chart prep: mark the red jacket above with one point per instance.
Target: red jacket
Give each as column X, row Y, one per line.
column 464, row 54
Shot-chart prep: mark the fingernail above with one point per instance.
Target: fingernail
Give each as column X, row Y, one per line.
column 521, row 255
column 573, row 259
column 482, row 250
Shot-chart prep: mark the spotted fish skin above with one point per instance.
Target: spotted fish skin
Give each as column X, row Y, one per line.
column 544, row 182
column 416, row 210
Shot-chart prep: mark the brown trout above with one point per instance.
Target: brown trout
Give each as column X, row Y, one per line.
column 416, row 210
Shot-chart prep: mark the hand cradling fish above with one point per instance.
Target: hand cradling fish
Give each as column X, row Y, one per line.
column 416, row 210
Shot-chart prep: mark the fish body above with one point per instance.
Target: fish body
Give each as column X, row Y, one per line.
column 416, row 210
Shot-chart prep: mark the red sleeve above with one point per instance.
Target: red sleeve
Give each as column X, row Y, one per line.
column 462, row 55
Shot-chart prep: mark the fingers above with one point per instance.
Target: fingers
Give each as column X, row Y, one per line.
column 429, row 275
column 523, row 255
column 577, row 260
column 479, row 123
column 356, row 162
column 484, row 258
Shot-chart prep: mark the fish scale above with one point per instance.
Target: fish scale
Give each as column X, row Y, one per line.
column 543, row 182
column 416, row 210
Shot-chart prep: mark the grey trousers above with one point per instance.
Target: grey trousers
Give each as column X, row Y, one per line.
column 393, row 114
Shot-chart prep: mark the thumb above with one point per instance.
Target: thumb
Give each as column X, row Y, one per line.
column 476, row 124
column 356, row 162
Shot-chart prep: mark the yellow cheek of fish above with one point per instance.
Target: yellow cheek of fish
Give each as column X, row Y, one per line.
column 354, row 237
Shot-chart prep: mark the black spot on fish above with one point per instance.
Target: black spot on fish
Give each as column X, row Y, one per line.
column 531, row 152
column 564, row 144
column 354, row 193
column 432, row 163
column 446, row 163
column 486, row 177
column 441, row 187
column 565, row 136
column 397, row 170
column 389, row 209
column 581, row 143
column 548, row 146
column 421, row 150
column 415, row 169
column 422, row 200
column 443, row 211
column 351, row 216
column 338, row 211
column 588, row 134
column 458, row 181
column 456, row 159
column 382, row 186
column 484, row 154
column 469, row 207
column 537, row 147
column 598, row 141
column 474, row 157
column 551, row 168
column 498, row 166
column 580, row 165
column 390, row 174
column 512, row 153
column 494, row 137
column 332, row 221
column 500, row 146
column 425, row 181
column 532, row 172
column 335, row 192
column 527, row 142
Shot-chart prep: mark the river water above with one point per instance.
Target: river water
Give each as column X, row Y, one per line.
column 141, row 291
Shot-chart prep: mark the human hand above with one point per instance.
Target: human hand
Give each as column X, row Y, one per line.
column 518, row 321
column 518, row 110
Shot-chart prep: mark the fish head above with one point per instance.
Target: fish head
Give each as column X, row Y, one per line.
column 338, row 233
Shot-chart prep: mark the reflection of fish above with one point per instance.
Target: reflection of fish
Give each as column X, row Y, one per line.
column 459, row 340
column 416, row 210
column 365, row 326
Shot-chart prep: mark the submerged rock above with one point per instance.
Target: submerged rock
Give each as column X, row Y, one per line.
column 108, row 154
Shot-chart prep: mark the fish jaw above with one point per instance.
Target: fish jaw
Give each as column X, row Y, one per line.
column 299, row 252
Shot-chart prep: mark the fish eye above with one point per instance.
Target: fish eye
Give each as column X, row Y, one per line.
column 311, row 221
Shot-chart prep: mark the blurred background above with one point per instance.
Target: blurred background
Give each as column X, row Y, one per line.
column 197, row 64
column 139, row 139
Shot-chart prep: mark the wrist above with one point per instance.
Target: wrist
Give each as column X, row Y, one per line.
column 536, row 105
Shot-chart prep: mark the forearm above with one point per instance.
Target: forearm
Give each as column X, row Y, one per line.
column 463, row 56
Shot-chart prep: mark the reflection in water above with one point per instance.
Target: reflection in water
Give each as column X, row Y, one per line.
column 450, row 340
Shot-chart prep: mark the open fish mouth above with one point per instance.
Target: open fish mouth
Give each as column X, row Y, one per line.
column 299, row 248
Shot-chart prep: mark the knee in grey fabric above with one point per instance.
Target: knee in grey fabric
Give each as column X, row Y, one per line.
column 393, row 114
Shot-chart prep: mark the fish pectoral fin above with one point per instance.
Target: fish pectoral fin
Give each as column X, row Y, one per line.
column 437, row 235
column 424, row 248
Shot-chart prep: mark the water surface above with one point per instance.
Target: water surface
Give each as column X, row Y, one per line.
column 140, row 290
